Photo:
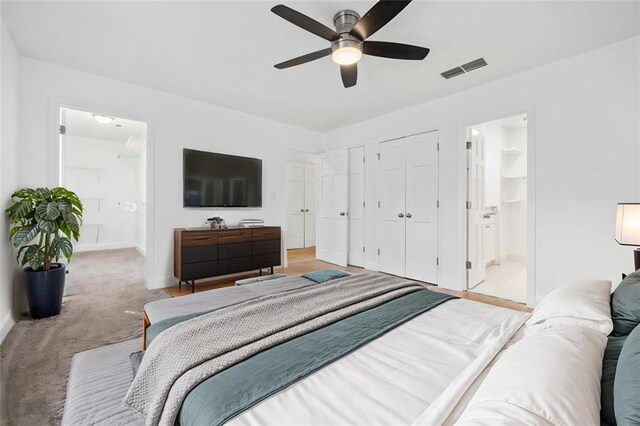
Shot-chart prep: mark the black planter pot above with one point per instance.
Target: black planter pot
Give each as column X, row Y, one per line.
column 45, row 290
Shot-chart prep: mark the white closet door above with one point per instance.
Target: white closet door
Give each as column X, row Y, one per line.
column 391, row 221
column 295, row 205
column 356, row 206
column 333, row 206
column 421, row 212
column 475, row 215
column 309, row 205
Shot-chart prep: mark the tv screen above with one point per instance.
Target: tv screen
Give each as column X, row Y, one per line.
column 219, row 180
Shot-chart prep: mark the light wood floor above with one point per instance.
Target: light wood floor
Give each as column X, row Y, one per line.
column 304, row 260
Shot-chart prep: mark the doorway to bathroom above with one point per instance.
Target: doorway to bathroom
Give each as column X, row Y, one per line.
column 497, row 208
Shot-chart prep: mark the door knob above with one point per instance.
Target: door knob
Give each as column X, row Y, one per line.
column 408, row 215
column 487, row 216
column 306, row 210
column 400, row 215
column 302, row 210
column 343, row 214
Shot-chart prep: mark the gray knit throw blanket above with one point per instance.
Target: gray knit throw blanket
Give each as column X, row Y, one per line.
column 186, row 354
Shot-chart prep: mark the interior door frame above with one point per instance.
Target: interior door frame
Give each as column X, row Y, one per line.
column 483, row 117
column 54, row 167
column 296, row 155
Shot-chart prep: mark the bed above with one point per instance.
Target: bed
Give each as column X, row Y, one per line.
column 458, row 361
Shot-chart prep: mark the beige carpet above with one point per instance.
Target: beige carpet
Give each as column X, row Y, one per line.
column 103, row 304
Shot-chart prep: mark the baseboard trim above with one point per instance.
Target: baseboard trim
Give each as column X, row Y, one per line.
column 140, row 250
column 5, row 325
column 98, row 247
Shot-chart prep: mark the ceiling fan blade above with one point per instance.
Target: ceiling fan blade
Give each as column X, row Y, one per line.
column 349, row 75
column 304, row 22
column 386, row 49
column 377, row 17
column 304, row 59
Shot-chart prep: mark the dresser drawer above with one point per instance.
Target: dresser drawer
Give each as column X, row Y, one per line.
column 199, row 254
column 228, row 251
column 194, row 271
column 266, row 234
column 266, row 247
column 228, row 236
column 199, row 238
column 266, row 260
column 231, row 266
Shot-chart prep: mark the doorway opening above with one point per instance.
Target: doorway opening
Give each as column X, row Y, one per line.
column 103, row 159
column 301, row 203
column 497, row 208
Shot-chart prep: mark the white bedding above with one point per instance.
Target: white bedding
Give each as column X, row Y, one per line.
column 415, row 373
column 392, row 380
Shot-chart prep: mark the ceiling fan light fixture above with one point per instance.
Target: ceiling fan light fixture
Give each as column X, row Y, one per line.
column 346, row 52
column 346, row 55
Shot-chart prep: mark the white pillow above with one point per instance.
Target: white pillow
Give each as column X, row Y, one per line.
column 586, row 304
column 548, row 377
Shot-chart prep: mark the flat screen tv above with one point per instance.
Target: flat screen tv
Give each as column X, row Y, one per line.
column 219, row 180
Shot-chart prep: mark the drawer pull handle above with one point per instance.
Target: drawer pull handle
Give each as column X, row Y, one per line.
column 200, row 238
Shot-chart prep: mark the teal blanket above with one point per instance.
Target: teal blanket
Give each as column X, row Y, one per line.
column 234, row 390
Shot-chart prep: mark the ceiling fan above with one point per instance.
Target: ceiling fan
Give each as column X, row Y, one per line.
column 349, row 40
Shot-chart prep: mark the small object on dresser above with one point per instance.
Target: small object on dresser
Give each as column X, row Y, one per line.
column 216, row 222
column 251, row 223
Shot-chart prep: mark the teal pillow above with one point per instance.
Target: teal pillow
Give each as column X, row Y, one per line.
column 325, row 275
column 626, row 388
column 625, row 305
column 609, row 364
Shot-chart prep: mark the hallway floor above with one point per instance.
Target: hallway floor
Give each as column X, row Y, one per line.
column 506, row 281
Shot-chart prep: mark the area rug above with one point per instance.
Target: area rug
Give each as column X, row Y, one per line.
column 103, row 304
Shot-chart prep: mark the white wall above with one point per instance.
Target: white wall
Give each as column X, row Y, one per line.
column 8, row 172
column 104, row 179
column 583, row 114
column 174, row 123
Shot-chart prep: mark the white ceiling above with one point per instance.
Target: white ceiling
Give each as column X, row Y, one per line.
column 82, row 124
column 223, row 52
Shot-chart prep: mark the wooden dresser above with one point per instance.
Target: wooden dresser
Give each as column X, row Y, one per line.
column 205, row 253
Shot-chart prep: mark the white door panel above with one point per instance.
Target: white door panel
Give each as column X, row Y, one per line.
column 332, row 244
column 391, row 222
column 356, row 206
column 422, row 207
column 475, row 215
column 309, row 205
column 295, row 205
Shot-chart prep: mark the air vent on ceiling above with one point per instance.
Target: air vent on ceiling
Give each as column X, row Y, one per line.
column 473, row 65
column 469, row 66
column 452, row 72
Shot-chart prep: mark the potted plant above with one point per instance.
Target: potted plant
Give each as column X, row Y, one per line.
column 43, row 222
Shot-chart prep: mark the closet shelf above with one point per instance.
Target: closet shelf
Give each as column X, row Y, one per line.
column 511, row 201
column 514, row 177
column 93, row 169
column 511, row 151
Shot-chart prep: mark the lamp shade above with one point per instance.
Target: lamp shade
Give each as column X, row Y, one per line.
column 628, row 224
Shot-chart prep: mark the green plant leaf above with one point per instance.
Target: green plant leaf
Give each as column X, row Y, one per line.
column 47, row 211
column 66, row 247
column 34, row 256
column 19, row 210
column 25, row 235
